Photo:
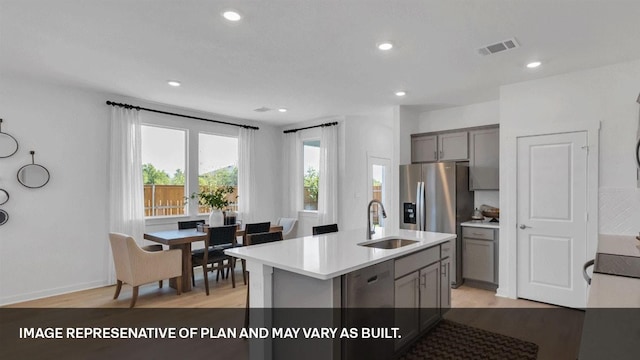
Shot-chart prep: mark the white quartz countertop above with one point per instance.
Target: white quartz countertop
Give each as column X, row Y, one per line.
column 330, row 255
column 481, row 224
column 610, row 291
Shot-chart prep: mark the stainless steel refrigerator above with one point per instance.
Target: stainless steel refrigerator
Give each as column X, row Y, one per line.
column 436, row 197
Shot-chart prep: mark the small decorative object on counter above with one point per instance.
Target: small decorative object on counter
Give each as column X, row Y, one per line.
column 477, row 215
column 490, row 212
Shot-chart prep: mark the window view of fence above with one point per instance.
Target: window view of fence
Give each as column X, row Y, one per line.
column 165, row 149
column 375, row 210
column 169, row 200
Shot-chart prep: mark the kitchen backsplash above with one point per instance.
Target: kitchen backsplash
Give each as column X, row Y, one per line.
column 486, row 197
column 619, row 211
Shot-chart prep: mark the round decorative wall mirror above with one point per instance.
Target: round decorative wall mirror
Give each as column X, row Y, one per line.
column 4, row 196
column 4, row 217
column 33, row 175
column 8, row 144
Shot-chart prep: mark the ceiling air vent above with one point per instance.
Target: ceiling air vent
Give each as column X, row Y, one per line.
column 498, row 47
column 262, row 109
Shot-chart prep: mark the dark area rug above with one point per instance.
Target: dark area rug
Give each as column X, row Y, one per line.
column 450, row 340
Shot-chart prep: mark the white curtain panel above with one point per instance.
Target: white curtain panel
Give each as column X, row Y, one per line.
column 292, row 180
column 328, row 181
column 126, row 192
column 246, row 175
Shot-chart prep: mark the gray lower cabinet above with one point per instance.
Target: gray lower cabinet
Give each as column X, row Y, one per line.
column 429, row 295
column 419, row 292
column 407, row 307
column 479, row 254
column 445, row 285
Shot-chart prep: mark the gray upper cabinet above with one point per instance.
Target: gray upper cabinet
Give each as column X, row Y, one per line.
column 484, row 159
column 442, row 147
column 453, row 146
column 424, row 148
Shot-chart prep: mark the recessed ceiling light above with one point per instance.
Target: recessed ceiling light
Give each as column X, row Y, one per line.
column 385, row 46
column 282, row 110
column 232, row 15
column 174, row 83
column 534, row 64
column 401, row 93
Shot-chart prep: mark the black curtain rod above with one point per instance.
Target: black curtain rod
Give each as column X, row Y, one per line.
column 311, row 127
column 128, row 106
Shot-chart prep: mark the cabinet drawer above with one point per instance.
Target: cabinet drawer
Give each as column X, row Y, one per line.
column 416, row 261
column 477, row 233
column 445, row 250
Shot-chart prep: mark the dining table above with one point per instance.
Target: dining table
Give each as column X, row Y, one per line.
column 182, row 239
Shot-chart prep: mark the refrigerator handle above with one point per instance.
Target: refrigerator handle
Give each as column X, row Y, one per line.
column 420, row 205
column 423, row 200
column 422, row 214
column 418, row 212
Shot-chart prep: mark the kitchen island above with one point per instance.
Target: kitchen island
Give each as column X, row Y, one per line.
column 309, row 272
column 612, row 319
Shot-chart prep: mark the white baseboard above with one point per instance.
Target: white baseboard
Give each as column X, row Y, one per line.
column 51, row 292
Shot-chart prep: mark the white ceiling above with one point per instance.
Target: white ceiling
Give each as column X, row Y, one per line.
column 316, row 58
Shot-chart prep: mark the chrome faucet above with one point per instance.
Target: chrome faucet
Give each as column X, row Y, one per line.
column 384, row 215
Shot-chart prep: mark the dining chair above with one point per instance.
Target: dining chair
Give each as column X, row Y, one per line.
column 212, row 256
column 190, row 224
column 256, row 239
column 324, row 229
column 288, row 227
column 248, row 230
column 135, row 266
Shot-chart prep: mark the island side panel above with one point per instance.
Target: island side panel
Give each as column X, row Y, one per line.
column 291, row 290
column 260, row 296
column 303, row 301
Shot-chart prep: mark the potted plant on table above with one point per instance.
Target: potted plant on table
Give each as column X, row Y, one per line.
column 216, row 200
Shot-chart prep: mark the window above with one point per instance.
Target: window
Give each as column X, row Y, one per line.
column 163, row 170
column 377, row 177
column 311, row 173
column 167, row 178
column 218, row 166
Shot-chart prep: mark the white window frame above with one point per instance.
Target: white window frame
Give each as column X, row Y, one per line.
column 193, row 128
column 308, row 135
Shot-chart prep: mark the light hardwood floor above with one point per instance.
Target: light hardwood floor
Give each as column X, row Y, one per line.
column 556, row 330
column 224, row 296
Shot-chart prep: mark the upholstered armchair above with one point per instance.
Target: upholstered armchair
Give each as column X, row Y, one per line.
column 136, row 267
column 288, row 227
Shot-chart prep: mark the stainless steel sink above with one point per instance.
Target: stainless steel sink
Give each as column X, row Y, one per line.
column 389, row 243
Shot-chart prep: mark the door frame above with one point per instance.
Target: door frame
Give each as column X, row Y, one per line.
column 389, row 184
column 508, row 251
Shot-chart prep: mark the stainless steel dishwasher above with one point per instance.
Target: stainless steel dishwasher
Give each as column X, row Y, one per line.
column 367, row 302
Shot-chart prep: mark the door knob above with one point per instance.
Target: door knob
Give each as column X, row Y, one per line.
column 523, row 226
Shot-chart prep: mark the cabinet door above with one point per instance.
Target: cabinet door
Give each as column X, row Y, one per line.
column 429, row 295
column 477, row 260
column 406, row 308
column 453, row 146
column 445, row 285
column 484, row 159
column 424, row 148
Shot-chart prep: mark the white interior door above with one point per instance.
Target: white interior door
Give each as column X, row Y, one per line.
column 552, row 218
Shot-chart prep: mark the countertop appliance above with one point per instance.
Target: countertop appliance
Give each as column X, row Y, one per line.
column 436, row 197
